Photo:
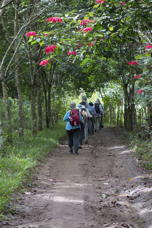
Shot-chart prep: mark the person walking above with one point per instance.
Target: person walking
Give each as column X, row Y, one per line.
column 91, row 121
column 99, row 115
column 73, row 120
column 86, row 115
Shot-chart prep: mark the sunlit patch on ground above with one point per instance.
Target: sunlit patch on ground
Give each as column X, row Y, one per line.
column 62, row 199
column 126, row 152
column 116, row 147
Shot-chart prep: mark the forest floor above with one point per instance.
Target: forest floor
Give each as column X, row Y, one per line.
column 102, row 187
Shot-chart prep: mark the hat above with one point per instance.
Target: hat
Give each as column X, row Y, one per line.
column 97, row 101
column 79, row 106
column 72, row 105
column 84, row 98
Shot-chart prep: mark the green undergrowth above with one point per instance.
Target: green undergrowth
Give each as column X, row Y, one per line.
column 142, row 149
column 20, row 159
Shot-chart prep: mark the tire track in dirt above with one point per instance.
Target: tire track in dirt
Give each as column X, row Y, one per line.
column 102, row 187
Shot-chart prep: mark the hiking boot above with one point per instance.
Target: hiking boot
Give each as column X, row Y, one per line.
column 71, row 151
column 76, row 152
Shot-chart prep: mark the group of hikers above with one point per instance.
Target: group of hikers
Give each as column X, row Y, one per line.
column 81, row 121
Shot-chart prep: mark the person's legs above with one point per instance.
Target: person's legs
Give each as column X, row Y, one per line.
column 90, row 126
column 86, row 132
column 98, row 123
column 95, row 123
column 101, row 123
column 70, row 140
column 76, row 142
column 81, row 135
column 93, row 128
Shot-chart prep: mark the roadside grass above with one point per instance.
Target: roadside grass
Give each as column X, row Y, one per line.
column 21, row 158
column 142, row 149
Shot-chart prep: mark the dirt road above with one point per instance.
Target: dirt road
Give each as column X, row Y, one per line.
column 101, row 187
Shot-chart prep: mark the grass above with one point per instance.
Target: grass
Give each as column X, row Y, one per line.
column 20, row 158
column 142, row 149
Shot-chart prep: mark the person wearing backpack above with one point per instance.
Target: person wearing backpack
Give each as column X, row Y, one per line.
column 73, row 120
column 86, row 115
column 92, row 111
column 99, row 115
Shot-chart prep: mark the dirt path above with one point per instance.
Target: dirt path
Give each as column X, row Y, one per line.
column 101, row 187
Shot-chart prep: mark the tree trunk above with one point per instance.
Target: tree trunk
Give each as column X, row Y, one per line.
column 7, row 113
column 39, row 110
column 129, row 107
column 33, row 109
column 17, row 78
column 48, row 107
column 150, row 116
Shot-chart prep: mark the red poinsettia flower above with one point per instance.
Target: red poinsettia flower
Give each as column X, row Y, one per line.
column 79, row 45
column 137, row 76
column 100, row 1
column 148, row 46
column 139, row 91
column 31, row 34
column 54, row 19
column 50, row 48
column 90, row 44
column 122, row 3
column 88, row 29
column 44, row 62
column 85, row 22
column 133, row 63
column 71, row 52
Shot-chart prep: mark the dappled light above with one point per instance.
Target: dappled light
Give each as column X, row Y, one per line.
column 126, row 152
column 61, row 199
column 116, row 147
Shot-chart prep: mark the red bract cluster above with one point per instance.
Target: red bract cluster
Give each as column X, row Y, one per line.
column 54, row 19
column 139, row 91
column 148, row 46
column 90, row 44
column 133, row 63
column 79, row 45
column 71, row 52
column 122, row 3
column 100, row 1
column 137, row 76
column 85, row 22
column 50, row 48
column 88, row 29
column 31, row 34
column 44, row 62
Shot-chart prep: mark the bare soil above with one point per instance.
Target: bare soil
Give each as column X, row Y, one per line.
column 102, row 187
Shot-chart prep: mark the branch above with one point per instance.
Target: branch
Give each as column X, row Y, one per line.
column 4, row 5
column 12, row 57
column 16, row 37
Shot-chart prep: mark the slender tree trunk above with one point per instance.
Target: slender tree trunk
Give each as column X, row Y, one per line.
column 150, row 116
column 118, row 115
column 110, row 114
column 129, row 107
column 39, row 111
column 7, row 113
column 126, row 114
column 48, row 107
column 17, row 78
column 33, row 109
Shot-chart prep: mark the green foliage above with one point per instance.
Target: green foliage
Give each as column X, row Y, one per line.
column 143, row 150
column 22, row 156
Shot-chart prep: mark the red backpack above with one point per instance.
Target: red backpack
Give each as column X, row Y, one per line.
column 74, row 117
